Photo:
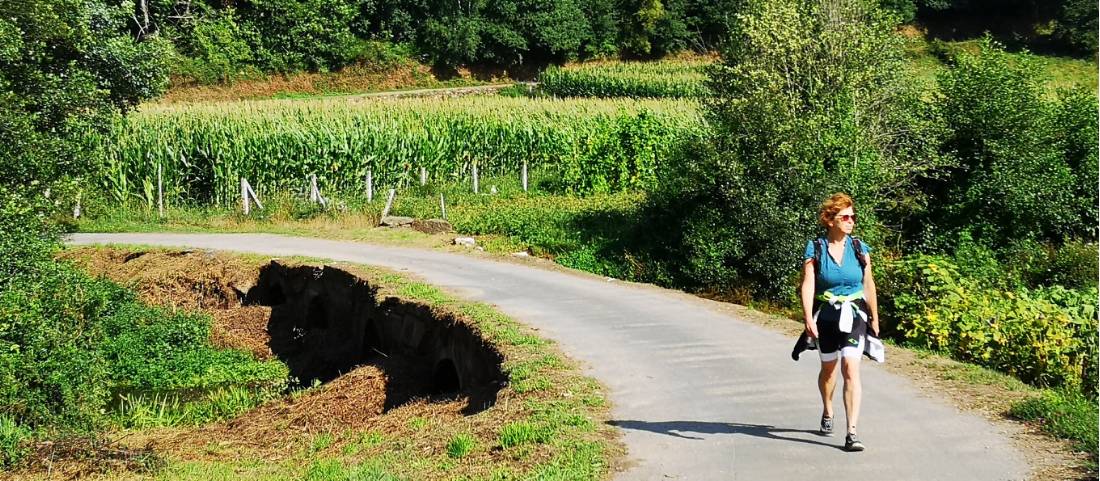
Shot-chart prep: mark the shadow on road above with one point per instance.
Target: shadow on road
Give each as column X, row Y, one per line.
column 680, row 428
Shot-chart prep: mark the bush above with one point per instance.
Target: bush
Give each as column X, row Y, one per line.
column 1024, row 167
column 13, row 439
column 1044, row 336
column 1073, row 265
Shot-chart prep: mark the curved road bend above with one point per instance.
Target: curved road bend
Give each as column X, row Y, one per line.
column 699, row 395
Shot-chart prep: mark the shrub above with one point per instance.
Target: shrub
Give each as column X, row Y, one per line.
column 1044, row 336
column 381, row 56
column 1024, row 164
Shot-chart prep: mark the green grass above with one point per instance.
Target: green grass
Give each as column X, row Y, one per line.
column 323, row 469
column 461, row 445
column 1064, row 414
column 146, row 410
column 1061, row 72
column 518, row 433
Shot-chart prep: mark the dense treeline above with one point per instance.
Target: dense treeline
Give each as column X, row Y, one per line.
column 220, row 41
column 1062, row 25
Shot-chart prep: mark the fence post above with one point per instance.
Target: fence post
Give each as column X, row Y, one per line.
column 389, row 203
column 475, row 176
column 255, row 198
column 370, row 186
column 314, row 192
column 442, row 206
column 244, row 195
column 423, row 176
column 160, row 190
column 246, row 191
column 524, row 175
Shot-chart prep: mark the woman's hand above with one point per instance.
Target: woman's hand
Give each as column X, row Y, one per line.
column 811, row 329
column 874, row 327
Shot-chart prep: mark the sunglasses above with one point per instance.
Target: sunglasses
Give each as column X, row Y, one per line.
column 847, row 217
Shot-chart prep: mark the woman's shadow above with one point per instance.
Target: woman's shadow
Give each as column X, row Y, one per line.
column 679, row 428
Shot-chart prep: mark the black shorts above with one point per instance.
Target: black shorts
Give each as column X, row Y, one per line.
column 830, row 339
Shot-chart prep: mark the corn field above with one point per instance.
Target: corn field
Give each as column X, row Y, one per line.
column 205, row 149
column 671, row 79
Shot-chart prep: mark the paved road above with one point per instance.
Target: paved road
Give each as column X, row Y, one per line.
column 700, row 395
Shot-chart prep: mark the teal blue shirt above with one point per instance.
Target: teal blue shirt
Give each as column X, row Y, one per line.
column 842, row 279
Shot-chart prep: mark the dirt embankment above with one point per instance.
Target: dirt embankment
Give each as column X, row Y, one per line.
column 371, row 393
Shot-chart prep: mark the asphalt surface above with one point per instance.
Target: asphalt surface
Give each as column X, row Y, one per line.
column 699, row 394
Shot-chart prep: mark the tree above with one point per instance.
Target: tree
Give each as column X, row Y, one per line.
column 809, row 98
column 66, row 68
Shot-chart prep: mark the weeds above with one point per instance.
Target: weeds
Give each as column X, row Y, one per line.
column 460, row 445
column 1065, row 414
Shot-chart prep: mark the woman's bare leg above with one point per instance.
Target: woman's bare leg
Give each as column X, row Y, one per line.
column 853, row 390
column 826, row 383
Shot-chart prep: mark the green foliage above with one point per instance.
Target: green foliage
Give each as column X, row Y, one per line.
column 381, row 56
column 672, row 79
column 1044, row 336
column 13, row 438
column 216, row 50
column 906, row 10
column 1065, row 414
column 48, row 321
column 293, row 35
column 152, row 349
column 1019, row 156
column 1074, row 131
column 68, row 342
column 66, row 69
column 803, row 106
column 1077, row 25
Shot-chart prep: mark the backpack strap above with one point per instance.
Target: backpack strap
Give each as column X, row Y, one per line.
column 818, row 248
column 857, row 245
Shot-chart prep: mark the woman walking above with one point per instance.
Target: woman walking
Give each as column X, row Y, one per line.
column 839, row 304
